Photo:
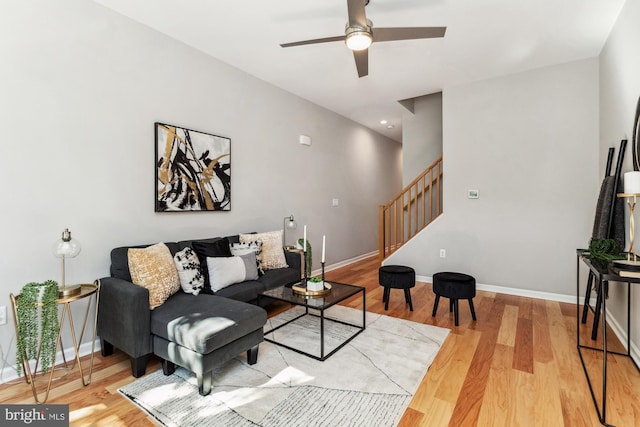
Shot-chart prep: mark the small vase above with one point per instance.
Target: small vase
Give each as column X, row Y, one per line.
column 315, row 286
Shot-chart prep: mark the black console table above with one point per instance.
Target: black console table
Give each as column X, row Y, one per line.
column 603, row 274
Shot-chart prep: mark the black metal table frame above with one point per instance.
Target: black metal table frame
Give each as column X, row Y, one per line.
column 322, row 317
column 603, row 276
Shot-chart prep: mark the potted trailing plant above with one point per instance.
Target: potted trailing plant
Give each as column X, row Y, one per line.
column 29, row 334
column 309, row 255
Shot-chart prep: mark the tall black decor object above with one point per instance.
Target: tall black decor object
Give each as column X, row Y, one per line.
column 616, row 231
column 634, row 140
column 609, row 161
column 616, row 214
column 608, row 223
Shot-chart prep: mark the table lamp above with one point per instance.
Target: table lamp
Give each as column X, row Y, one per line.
column 65, row 248
column 290, row 223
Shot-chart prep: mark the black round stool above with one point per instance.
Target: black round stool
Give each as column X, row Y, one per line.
column 454, row 286
column 397, row 277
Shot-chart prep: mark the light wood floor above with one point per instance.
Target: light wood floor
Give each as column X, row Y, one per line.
column 517, row 365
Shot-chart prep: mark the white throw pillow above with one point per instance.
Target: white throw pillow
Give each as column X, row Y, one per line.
column 188, row 266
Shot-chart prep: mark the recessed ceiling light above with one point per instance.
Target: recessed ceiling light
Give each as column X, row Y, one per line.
column 383, row 122
column 390, row 127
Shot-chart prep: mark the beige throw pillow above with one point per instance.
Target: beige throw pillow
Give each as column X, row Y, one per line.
column 153, row 268
column 272, row 252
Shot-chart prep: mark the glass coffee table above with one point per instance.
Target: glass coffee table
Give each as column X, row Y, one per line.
column 316, row 307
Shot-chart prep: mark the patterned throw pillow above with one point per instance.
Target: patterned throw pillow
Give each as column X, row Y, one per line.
column 272, row 252
column 188, row 266
column 153, row 268
column 238, row 249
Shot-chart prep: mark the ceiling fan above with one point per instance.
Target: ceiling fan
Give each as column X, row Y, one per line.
column 359, row 34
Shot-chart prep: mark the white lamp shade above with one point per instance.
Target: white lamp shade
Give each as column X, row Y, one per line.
column 632, row 182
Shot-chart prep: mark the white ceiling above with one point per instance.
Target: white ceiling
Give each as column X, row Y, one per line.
column 484, row 39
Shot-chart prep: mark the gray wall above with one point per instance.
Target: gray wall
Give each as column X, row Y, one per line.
column 528, row 143
column 619, row 92
column 81, row 88
column 421, row 136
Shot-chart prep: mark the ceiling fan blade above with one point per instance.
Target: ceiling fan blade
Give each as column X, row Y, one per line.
column 314, row 41
column 362, row 61
column 407, row 33
column 357, row 16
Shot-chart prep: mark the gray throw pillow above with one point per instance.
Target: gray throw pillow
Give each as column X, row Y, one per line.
column 227, row 271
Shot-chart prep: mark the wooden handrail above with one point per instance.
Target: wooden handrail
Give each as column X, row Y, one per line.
column 413, row 209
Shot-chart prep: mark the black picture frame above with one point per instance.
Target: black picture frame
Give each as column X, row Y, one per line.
column 193, row 170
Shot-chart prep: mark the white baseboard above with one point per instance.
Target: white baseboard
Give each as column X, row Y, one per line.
column 571, row 299
column 343, row 263
column 9, row 371
column 622, row 336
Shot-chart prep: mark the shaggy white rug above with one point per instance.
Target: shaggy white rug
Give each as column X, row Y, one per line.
column 369, row 382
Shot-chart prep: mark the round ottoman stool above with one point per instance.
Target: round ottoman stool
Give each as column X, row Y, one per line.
column 397, row 277
column 454, row 286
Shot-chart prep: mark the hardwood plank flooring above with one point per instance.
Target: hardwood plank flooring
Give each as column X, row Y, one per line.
column 517, row 365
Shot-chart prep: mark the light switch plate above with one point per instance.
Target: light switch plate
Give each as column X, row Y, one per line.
column 305, row 140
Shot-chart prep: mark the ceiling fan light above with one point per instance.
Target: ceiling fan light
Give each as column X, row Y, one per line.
column 358, row 40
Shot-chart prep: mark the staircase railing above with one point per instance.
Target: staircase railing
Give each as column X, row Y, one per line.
column 413, row 209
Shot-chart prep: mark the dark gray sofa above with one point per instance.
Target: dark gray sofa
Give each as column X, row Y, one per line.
column 232, row 322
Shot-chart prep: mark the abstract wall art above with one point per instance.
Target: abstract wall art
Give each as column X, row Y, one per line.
column 193, row 170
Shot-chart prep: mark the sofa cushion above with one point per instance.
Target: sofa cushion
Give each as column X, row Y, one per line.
column 279, row 277
column 246, row 291
column 153, row 268
column 272, row 252
column 225, row 271
column 234, row 239
column 189, row 270
column 204, row 323
column 189, row 243
column 212, row 247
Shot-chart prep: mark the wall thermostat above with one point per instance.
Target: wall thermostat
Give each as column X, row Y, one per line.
column 473, row 194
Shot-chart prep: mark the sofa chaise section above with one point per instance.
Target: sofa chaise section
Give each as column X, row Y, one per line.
column 126, row 322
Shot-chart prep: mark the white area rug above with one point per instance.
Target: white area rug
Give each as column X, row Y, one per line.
column 369, row 382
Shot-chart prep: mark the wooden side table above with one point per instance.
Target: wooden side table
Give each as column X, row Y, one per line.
column 87, row 291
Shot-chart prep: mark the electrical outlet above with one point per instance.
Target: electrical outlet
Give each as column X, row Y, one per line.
column 443, row 253
column 335, row 202
column 3, row 315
